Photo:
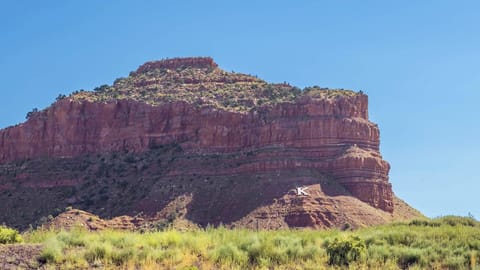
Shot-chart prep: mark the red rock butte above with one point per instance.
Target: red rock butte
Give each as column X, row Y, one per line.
column 232, row 153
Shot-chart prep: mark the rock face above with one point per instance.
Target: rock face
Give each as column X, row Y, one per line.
column 310, row 140
column 176, row 63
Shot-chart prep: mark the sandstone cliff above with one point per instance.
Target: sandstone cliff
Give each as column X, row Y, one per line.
column 230, row 142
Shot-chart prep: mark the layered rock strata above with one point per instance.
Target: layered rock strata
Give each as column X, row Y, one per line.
column 328, row 135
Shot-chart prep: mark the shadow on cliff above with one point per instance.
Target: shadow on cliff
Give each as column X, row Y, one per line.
column 216, row 199
column 224, row 188
column 126, row 183
column 228, row 199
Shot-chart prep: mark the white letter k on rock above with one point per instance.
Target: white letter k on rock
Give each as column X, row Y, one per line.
column 302, row 191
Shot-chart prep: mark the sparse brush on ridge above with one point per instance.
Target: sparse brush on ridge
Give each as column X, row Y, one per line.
column 190, row 80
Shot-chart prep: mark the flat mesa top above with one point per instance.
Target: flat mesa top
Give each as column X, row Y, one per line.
column 200, row 81
column 176, row 63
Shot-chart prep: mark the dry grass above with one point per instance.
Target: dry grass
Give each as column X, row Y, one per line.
column 446, row 243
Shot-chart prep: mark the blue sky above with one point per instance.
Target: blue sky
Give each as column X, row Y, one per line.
column 419, row 62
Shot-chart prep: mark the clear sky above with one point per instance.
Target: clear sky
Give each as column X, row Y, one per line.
column 419, row 62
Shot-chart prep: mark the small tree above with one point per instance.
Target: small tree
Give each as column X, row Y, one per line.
column 101, row 88
column 31, row 113
column 60, row 97
column 342, row 252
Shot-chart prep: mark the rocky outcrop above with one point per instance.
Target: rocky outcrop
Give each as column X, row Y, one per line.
column 176, row 63
column 330, row 136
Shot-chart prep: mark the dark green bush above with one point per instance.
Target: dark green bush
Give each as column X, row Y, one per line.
column 408, row 258
column 455, row 221
column 31, row 113
column 345, row 251
column 60, row 97
column 424, row 223
column 102, row 88
column 456, row 262
column 9, row 236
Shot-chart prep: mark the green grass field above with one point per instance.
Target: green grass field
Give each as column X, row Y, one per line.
column 443, row 243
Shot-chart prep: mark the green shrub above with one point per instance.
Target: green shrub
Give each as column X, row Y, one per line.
column 456, row 221
column 456, row 262
column 9, row 236
column 60, row 97
column 409, row 257
column 229, row 254
column 345, row 251
column 97, row 251
column 52, row 251
column 74, row 238
column 400, row 238
column 122, row 256
column 424, row 223
column 31, row 113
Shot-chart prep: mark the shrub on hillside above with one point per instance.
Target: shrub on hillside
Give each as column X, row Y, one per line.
column 458, row 221
column 9, row 236
column 408, row 257
column 342, row 252
column 52, row 251
column 424, row 223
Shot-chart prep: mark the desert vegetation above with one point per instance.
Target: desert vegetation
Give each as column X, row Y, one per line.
column 209, row 86
column 442, row 243
column 9, row 236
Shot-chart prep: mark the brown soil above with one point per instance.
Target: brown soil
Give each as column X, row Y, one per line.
column 290, row 211
column 403, row 211
column 20, row 256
